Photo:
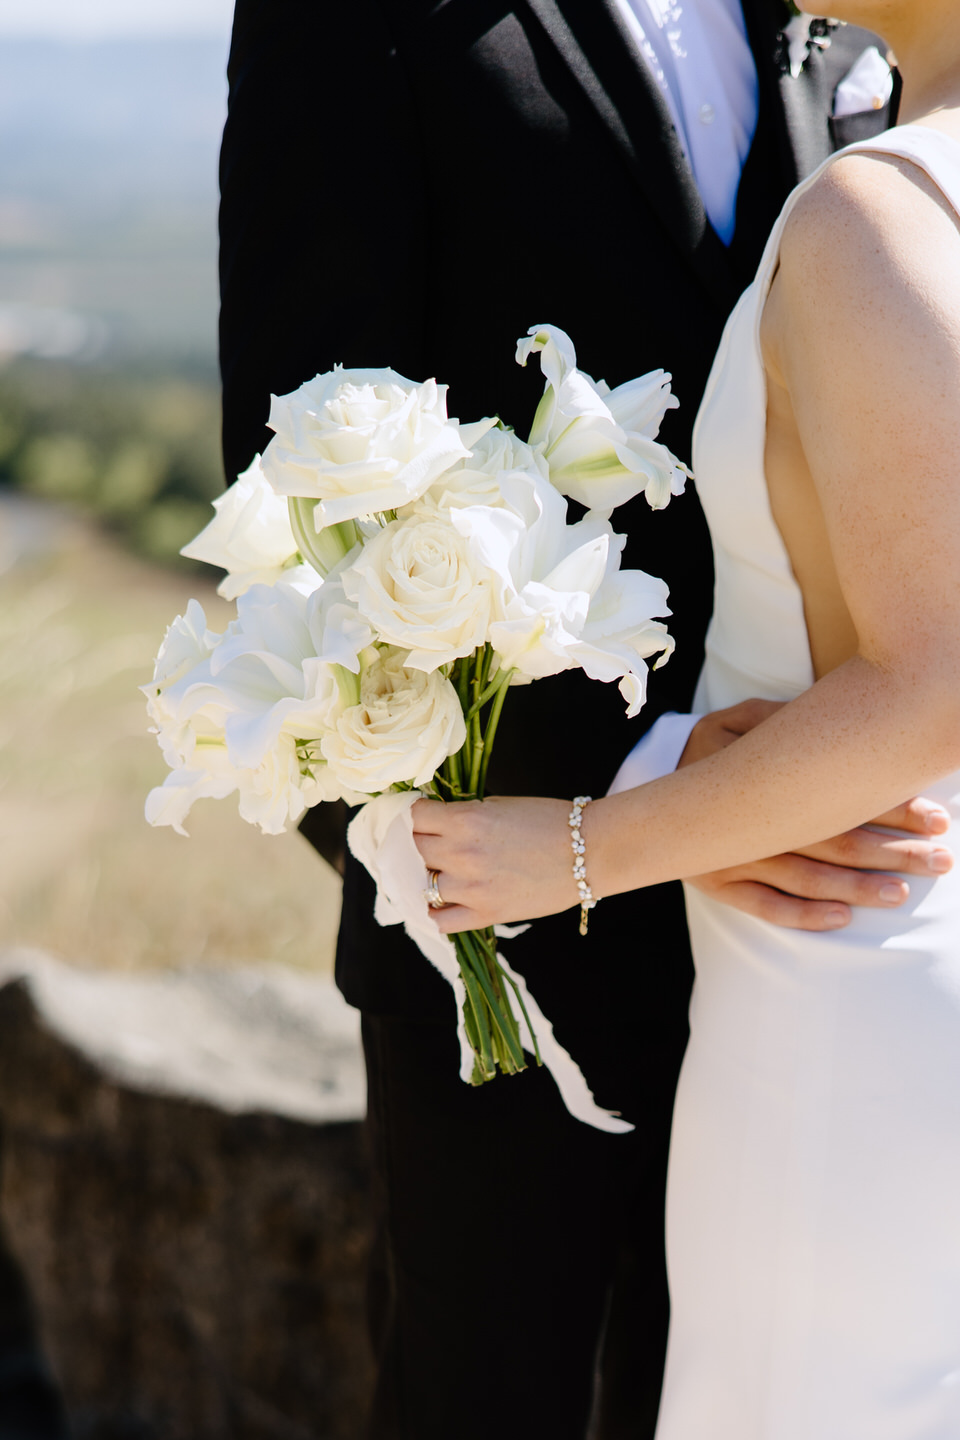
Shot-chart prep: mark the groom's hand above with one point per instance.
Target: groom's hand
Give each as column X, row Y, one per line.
column 815, row 888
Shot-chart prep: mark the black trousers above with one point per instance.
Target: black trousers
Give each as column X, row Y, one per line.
column 519, row 1253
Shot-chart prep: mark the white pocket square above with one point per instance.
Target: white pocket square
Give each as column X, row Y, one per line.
column 867, row 86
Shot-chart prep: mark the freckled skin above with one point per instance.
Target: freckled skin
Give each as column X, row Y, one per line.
column 861, row 345
column 822, row 364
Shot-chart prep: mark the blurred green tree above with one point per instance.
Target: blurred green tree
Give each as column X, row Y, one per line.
column 137, row 448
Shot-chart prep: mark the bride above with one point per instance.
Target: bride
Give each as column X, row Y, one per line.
column 814, row 1196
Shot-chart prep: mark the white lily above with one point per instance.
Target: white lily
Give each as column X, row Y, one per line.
column 273, row 675
column 560, row 598
column 245, row 711
column 600, row 444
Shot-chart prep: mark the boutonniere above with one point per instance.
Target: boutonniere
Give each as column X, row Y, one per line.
column 801, row 34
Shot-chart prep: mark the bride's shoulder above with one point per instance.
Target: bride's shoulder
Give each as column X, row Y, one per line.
column 875, row 222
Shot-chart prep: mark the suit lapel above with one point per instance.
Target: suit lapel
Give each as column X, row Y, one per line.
column 592, row 39
column 799, row 106
column 765, row 20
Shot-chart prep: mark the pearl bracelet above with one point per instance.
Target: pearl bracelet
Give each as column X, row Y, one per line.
column 587, row 899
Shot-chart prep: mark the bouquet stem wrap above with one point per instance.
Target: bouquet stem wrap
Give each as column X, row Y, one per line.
column 381, row 838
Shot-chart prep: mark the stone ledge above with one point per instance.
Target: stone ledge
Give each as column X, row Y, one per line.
column 266, row 1039
column 192, row 1221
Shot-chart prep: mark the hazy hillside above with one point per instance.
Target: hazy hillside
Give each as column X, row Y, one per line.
column 108, row 159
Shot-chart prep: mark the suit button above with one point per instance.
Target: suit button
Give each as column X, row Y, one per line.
column 706, row 114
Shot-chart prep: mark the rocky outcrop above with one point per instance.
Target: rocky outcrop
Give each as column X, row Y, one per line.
column 184, row 1186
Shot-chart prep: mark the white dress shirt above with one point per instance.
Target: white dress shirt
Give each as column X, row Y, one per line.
column 700, row 57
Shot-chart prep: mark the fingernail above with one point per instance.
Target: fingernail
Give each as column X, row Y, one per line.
column 936, row 821
column 894, row 893
column 940, row 861
column 836, row 919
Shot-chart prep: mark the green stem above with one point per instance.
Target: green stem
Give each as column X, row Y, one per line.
column 454, row 777
column 322, row 549
column 474, row 731
column 482, row 973
column 533, row 1034
column 486, row 942
column 463, row 684
column 488, row 692
column 493, row 720
column 461, row 679
column 487, row 1066
column 487, row 662
column 476, row 761
column 492, row 1027
column 470, row 1025
column 301, row 520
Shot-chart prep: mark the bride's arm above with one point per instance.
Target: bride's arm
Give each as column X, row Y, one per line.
column 869, row 348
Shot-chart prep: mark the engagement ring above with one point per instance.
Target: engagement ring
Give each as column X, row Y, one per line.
column 434, row 899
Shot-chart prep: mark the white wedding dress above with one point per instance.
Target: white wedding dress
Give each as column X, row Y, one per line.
column 813, row 1216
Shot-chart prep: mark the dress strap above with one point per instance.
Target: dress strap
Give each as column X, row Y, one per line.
column 932, row 150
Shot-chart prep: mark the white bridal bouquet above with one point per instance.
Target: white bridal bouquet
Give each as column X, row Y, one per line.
column 395, row 573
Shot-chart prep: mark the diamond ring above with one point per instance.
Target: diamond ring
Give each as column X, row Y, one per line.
column 434, row 899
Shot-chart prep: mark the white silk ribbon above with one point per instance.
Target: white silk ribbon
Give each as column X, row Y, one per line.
column 381, row 838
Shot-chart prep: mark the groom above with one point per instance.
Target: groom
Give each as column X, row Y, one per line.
column 414, row 183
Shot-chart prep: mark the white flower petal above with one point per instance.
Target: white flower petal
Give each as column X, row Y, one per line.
column 249, row 537
column 423, row 588
column 405, row 726
column 600, row 443
column 361, row 442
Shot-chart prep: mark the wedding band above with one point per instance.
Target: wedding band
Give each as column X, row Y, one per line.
column 434, row 899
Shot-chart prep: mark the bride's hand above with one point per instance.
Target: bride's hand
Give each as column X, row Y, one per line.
column 499, row 861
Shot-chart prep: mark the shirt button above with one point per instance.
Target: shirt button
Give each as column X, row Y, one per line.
column 707, row 114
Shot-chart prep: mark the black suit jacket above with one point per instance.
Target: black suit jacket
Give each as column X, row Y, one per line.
column 414, row 183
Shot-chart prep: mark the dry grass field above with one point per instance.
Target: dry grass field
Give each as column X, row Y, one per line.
column 81, row 874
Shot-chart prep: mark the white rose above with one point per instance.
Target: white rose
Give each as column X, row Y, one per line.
column 251, row 538
column 421, row 589
column 405, row 726
column 361, row 442
column 477, row 480
column 600, row 443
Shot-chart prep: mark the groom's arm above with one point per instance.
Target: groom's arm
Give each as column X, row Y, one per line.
column 814, row 888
